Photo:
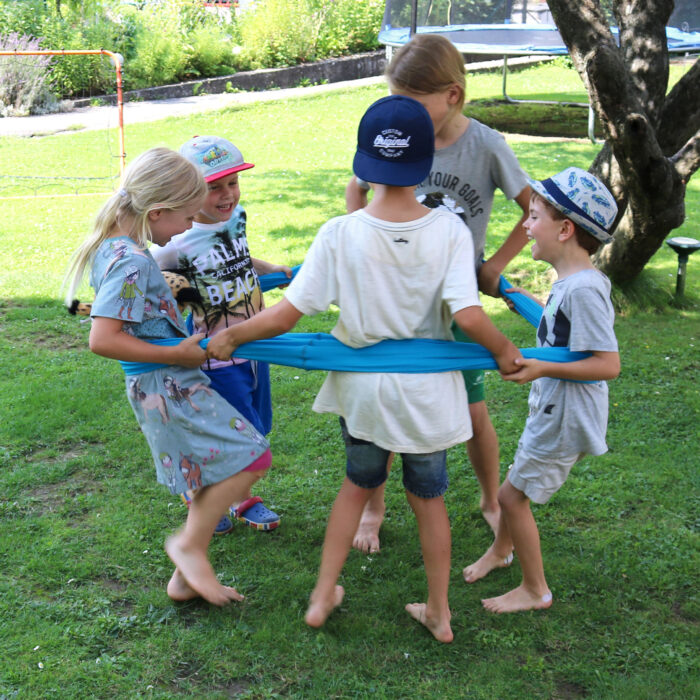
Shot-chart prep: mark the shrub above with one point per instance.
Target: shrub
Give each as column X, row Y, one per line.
column 24, row 87
column 22, row 18
column 278, row 33
column 209, row 51
column 81, row 75
column 349, row 26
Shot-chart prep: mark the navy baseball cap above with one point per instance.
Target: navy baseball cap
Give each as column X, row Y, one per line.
column 395, row 142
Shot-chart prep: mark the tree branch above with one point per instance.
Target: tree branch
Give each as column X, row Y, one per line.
column 680, row 115
column 687, row 160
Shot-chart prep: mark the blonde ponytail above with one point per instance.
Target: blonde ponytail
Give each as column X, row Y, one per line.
column 157, row 179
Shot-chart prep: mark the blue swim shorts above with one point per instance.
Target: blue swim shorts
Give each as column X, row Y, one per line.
column 246, row 386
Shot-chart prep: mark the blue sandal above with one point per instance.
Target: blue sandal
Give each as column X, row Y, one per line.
column 223, row 527
column 253, row 513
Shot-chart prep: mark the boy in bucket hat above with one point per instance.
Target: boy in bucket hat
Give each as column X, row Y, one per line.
column 571, row 215
column 397, row 270
column 213, row 255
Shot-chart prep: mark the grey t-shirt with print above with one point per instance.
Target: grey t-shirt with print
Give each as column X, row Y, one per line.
column 569, row 418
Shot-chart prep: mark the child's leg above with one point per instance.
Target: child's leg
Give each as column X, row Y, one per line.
column 533, row 592
column 485, row 460
column 435, row 539
column 342, row 524
column 367, row 536
column 498, row 555
column 194, row 575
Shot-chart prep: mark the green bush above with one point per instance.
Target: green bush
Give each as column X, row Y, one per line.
column 158, row 57
column 349, row 26
column 280, row 33
column 80, row 76
column 209, row 51
column 174, row 40
column 22, row 18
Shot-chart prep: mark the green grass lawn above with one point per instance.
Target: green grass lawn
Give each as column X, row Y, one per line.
column 83, row 610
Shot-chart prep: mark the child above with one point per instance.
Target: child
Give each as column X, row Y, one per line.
column 399, row 270
column 200, row 443
column 471, row 162
column 213, row 255
column 571, row 214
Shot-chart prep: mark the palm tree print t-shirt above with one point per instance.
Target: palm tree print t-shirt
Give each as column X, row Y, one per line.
column 217, row 263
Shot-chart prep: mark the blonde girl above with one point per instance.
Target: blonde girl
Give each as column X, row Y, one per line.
column 471, row 162
column 208, row 447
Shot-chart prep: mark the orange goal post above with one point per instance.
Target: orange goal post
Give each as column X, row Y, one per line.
column 116, row 60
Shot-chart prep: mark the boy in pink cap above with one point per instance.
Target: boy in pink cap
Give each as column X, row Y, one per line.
column 213, row 255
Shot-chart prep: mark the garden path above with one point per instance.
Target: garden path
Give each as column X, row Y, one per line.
column 151, row 110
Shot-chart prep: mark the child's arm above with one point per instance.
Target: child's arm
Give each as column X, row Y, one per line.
column 265, row 268
column 280, row 318
column 599, row 366
column 355, row 196
column 477, row 325
column 517, row 239
column 108, row 339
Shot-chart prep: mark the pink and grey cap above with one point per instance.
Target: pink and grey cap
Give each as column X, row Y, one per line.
column 214, row 156
column 581, row 197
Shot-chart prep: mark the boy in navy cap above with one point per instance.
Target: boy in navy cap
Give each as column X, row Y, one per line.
column 571, row 215
column 213, row 255
column 397, row 270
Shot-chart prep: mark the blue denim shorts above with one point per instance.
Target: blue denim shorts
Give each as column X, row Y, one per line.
column 424, row 475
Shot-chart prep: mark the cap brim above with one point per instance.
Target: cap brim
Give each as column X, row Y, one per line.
column 229, row 171
column 399, row 174
column 596, row 231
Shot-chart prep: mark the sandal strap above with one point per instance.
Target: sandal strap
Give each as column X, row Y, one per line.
column 243, row 506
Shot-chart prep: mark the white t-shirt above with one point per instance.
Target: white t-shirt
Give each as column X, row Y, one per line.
column 392, row 280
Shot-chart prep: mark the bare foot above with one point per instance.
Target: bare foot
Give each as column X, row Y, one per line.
column 518, row 599
column 367, row 536
column 488, row 562
column 179, row 589
column 197, row 573
column 319, row 610
column 491, row 516
column 440, row 629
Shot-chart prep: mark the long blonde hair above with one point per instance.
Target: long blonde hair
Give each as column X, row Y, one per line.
column 427, row 64
column 157, row 179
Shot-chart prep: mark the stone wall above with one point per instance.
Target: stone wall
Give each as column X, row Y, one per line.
column 333, row 70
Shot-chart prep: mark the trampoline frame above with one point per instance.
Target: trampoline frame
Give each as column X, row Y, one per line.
column 678, row 42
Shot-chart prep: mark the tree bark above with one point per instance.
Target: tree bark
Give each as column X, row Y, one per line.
column 652, row 141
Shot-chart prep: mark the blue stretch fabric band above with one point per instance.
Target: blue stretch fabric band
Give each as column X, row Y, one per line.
column 530, row 310
column 324, row 352
column 276, row 279
column 321, row 351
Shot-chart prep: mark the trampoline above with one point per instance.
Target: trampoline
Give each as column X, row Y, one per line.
column 485, row 28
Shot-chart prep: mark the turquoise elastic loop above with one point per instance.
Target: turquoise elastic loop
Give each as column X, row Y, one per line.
column 321, row 351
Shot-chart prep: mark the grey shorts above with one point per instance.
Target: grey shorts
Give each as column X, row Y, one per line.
column 539, row 479
column 424, row 475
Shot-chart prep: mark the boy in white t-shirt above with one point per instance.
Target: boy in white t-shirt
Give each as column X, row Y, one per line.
column 397, row 270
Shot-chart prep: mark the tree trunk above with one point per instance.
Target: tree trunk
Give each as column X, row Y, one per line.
column 652, row 141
